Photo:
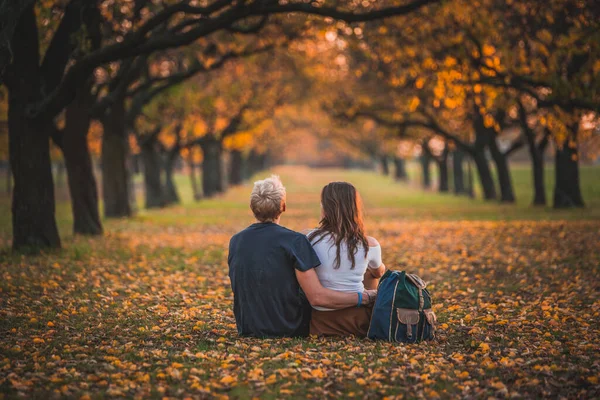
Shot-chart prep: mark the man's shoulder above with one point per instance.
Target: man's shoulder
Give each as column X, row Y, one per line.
column 291, row 235
column 238, row 235
column 281, row 231
column 289, row 231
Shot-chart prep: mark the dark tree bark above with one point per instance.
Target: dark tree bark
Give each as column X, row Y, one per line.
column 194, row 183
column 400, row 169
column 115, row 173
column 458, row 172
column 256, row 163
column 252, row 166
column 33, row 204
column 171, row 195
column 425, row 161
column 263, row 161
column 211, row 166
column 80, row 170
column 10, row 14
column 536, row 152
column 235, row 167
column 567, row 191
column 483, row 168
column 442, row 163
column 539, row 186
column 507, row 193
column 385, row 165
column 152, row 168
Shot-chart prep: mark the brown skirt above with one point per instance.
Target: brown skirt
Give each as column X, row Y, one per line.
column 346, row 322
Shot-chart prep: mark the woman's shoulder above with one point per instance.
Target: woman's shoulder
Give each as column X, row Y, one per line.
column 317, row 236
column 372, row 241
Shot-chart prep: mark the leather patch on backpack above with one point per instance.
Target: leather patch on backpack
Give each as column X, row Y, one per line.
column 407, row 316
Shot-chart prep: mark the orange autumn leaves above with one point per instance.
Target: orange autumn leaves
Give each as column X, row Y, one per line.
column 146, row 310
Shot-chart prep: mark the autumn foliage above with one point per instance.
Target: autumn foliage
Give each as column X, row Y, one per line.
column 147, row 310
column 105, row 102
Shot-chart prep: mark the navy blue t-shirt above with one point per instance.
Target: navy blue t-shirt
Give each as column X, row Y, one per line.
column 267, row 299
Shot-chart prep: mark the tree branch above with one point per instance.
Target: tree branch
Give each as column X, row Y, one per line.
column 10, row 14
column 139, row 42
column 347, row 16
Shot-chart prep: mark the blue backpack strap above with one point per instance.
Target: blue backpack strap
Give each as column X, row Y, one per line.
column 381, row 316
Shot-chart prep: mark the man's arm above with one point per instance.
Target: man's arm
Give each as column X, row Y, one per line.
column 322, row 297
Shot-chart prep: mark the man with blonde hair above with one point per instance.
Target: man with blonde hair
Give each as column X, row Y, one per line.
column 272, row 274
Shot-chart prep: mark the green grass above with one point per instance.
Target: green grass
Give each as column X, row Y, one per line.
column 405, row 200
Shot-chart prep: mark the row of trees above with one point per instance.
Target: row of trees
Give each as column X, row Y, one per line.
column 66, row 65
column 467, row 74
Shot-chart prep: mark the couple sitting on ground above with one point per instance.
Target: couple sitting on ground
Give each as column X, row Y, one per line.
column 278, row 275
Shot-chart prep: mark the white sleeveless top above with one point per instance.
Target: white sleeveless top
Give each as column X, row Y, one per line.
column 344, row 278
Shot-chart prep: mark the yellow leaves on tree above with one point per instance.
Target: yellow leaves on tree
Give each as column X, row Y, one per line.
column 414, row 104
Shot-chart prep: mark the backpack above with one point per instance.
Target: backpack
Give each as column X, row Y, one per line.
column 402, row 311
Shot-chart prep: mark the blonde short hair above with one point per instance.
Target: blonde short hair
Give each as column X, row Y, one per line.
column 267, row 199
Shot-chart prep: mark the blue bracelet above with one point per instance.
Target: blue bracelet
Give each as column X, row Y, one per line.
column 359, row 299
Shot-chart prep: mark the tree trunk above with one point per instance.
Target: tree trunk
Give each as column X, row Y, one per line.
column 80, row 170
column 400, row 169
column 192, row 166
column 539, row 186
column 537, row 163
column 483, row 168
column 458, row 172
column 485, row 176
column 252, row 166
column 33, row 206
column 152, row 167
column 442, row 163
column 567, row 192
column 115, row 173
column 263, row 161
column 171, row 195
column 425, row 161
column 235, row 167
column 211, row 167
column 385, row 165
column 507, row 194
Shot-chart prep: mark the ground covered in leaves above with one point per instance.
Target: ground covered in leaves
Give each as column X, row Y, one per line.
column 146, row 310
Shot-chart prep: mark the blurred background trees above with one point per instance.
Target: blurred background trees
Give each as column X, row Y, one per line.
column 221, row 89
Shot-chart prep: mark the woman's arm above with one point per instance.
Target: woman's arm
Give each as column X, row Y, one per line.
column 376, row 267
column 376, row 272
column 322, row 297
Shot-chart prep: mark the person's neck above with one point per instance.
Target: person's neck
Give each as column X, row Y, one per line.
column 275, row 221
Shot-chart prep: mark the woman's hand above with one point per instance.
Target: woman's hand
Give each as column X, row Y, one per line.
column 369, row 297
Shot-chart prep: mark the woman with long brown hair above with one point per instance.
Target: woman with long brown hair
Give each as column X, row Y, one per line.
column 350, row 260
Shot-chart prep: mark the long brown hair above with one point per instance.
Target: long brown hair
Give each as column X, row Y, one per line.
column 342, row 219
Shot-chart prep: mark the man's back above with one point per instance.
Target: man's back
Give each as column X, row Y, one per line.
column 267, row 297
